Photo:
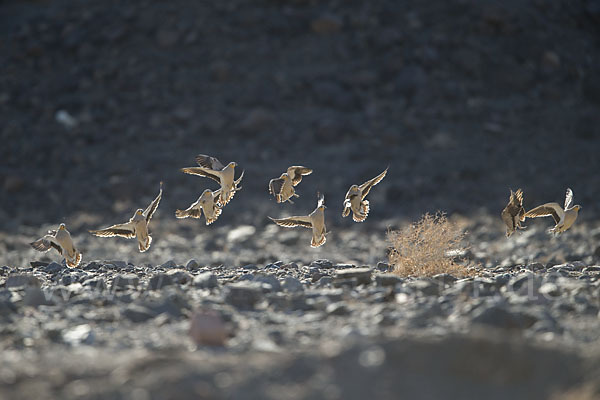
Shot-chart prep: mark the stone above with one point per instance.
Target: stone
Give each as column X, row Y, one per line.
column 550, row 289
column 159, row 280
column 339, row 308
column 116, row 264
column 243, row 295
column 97, row 284
column 22, row 280
column 324, row 264
column 424, row 286
column 269, row 281
column 206, row 280
column 361, row 275
column 324, row 281
column 34, row 297
column 136, row 313
column 179, row 276
column 169, row 264
column 387, row 280
column 291, row 284
column 124, row 280
column 38, row 264
column 53, row 268
column 80, row 334
column 208, row 329
column 66, row 280
column 383, row 267
column 192, row 265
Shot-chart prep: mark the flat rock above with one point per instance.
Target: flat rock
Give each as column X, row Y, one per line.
column 160, row 280
column 362, row 275
column 243, row 295
column 34, row 297
column 22, row 280
column 387, row 279
column 137, row 313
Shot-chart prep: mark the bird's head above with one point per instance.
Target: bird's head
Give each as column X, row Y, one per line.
column 139, row 211
column 322, row 207
column 284, row 175
column 232, row 164
column 577, row 208
column 62, row 227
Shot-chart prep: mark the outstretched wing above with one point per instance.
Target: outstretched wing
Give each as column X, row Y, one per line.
column 291, row 222
column 546, row 210
column 125, row 230
column 569, row 199
column 516, row 198
column 365, row 188
column 209, row 162
column 275, row 186
column 201, row 171
column 296, row 172
column 149, row 212
column 192, row 211
column 46, row 243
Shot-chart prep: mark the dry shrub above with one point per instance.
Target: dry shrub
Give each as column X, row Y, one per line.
column 427, row 247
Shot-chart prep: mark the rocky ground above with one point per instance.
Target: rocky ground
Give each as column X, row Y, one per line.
column 113, row 329
column 462, row 99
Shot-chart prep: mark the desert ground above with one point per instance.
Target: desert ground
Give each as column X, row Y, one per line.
column 463, row 100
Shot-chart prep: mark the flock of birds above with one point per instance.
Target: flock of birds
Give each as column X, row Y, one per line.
column 211, row 204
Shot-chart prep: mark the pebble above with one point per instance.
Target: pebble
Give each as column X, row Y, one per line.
column 206, row 280
column 179, row 276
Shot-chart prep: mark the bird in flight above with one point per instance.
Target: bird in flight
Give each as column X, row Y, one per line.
column 283, row 187
column 136, row 227
column 210, row 167
column 315, row 220
column 564, row 217
column 514, row 213
column 61, row 241
column 355, row 198
column 207, row 202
